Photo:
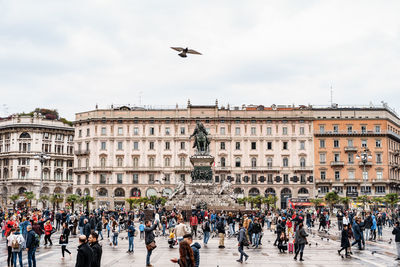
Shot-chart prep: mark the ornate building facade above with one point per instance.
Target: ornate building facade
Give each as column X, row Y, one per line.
column 23, row 137
column 130, row 152
column 342, row 136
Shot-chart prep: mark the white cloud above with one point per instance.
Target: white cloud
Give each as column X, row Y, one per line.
column 71, row 55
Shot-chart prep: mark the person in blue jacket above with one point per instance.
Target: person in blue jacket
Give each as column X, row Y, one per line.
column 357, row 232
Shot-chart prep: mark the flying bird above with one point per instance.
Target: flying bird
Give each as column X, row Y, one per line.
column 185, row 51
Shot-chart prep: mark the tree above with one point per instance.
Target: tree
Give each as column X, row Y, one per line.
column 72, row 199
column 29, row 196
column 241, row 200
column 345, row 201
column 56, row 199
column 85, row 200
column 331, row 198
column 14, row 199
column 44, row 199
column 131, row 202
column 270, row 200
column 364, row 200
column 392, row 199
column 317, row 202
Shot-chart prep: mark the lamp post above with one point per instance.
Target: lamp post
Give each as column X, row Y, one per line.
column 42, row 157
column 364, row 156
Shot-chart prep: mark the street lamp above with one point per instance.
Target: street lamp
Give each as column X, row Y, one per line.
column 364, row 156
column 42, row 157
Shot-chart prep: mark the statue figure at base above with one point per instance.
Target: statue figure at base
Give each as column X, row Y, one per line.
column 179, row 189
column 226, row 188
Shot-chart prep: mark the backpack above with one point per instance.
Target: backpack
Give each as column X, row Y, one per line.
column 36, row 240
column 15, row 244
column 206, row 227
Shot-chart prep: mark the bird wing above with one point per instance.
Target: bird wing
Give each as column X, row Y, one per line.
column 179, row 49
column 191, row 51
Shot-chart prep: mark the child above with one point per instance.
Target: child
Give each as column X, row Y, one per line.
column 141, row 229
column 289, row 225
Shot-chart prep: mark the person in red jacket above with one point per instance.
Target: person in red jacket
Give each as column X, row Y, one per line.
column 193, row 224
column 47, row 233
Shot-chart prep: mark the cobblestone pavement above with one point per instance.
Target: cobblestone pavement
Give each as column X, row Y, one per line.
column 379, row 253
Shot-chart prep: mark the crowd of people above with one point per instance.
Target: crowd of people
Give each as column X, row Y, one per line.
column 26, row 230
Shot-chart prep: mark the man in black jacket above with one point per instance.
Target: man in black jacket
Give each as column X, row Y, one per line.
column 86, row 228
column 396, row 232
column 96, row 248
column 148, row 239
column 242, row 241
column 31, row 246
column 84, row 258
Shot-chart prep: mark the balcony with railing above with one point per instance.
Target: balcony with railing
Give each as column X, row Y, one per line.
column 82, row 152
column 337, row 163
column 350, row 149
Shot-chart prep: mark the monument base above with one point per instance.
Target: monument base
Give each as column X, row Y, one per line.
column 202, row 172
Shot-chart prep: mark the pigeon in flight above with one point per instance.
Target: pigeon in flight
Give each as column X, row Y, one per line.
column 185, row 51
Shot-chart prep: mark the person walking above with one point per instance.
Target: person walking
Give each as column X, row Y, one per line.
column 86, row 228
column 256, row 230
column 357, row 232
column 131, row 234
column 149, row 240
column 17, row 242
column 99, row 228
column 84, row 257
column 96, row 248
column 32, row 242
column 10, row 260
column 47, row 233
column 206, row 231
column 193, row 224
column 344, row 241
column 180, row 230
column 300, row 241
column 221, row 232
column 186, row 257
column 396, row 233
column 64, row 240
column 242, row 242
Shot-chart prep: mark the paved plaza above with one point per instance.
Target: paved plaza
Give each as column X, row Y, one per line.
column 379, row 253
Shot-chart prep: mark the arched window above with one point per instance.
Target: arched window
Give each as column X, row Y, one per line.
column 78, row 192
column 167, row 162
column 285, row 162
column 253, row 162
column 303, row 191
column 135, row 162
column 86, row 191
column 102, row 162
column 151, row 162
column 269, row 162
column 223, row 163
column 119, row 162
column 21, row 190
column 119, row 192
column 25, row 135
column 135, row 192
column 254, row 192
column 302, row 162
column 182, row 161
column 270, row 191
column 237, row 162
column 102, row 192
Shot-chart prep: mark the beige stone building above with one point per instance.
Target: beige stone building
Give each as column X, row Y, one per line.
column 124, row 152
column 23, row 137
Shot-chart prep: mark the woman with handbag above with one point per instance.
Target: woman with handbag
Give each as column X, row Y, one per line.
column 300, row 241
column 149, row 240
column 64, row 240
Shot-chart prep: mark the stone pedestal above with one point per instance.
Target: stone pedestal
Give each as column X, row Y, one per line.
column 202, row 172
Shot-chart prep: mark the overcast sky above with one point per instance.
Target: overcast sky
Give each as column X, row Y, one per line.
column 71, row 55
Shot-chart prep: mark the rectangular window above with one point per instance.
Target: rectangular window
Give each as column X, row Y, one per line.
column 302, row 145
column 120, row 130
column 337, row 175
column 135, row 145
column 135, row 130
column 135, row 178
column 284, row 131
column 286, row 178
column 103, row 130
column 322, row 129
column 301, row 130
column 222, row 131
column 119, row 178
column 349, row 128
column 378, row 143
column 351, row 175
column 324, row 189
column 335, row 128
column 87, row 132
column 237, row 130
column 238, row 179
column 103, row 145
column 366, row 190
column 253, row 130
column 380, row 189
column 222, row 145
column 379, row 175
column 269, row 145
column 119, row 144
column 285, row 145
column 269, row 131
column 270, row 179
column 377, row 128
column 103, row 179
column 336, row 157
column 363, row 129
column 182, row 130
column 364, row 143
column 253, row 145
column 322, row 143
column 365, row 176
column 151, row 131
column 350, row 158
column 167, row 145
column 322, row 158
column 378, row 158
column 151, row 145
column 335, row 143
column 350, row 143
column 237, row 145
column 167, row 131
column 151, row 178
column 323, row 175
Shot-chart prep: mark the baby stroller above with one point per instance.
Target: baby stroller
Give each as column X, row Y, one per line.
column 171, row 240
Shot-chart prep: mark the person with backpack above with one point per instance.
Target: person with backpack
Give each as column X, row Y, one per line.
column 32, row 242
column 206, row 231
column 17, row 241
column 221, row 232
column 242, row 242
column 131, row 234
column 64, row 240
column 9, row 247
